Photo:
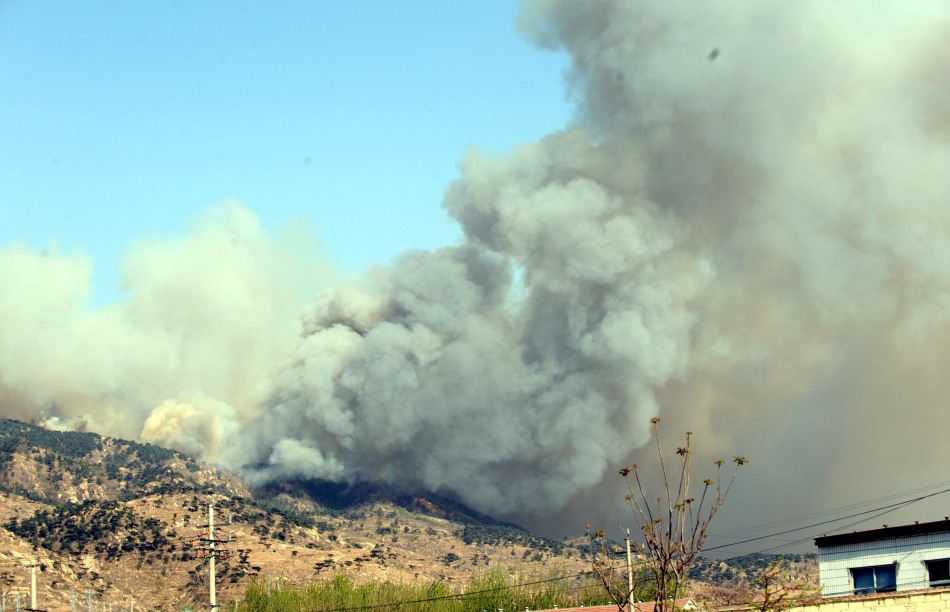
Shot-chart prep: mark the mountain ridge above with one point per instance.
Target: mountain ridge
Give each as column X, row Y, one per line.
column 113, row 521
column 119, row 519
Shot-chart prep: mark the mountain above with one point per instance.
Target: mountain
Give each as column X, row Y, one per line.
column 114, row 521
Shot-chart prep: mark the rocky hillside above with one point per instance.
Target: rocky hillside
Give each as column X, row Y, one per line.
column 112, row 521
column 745, row 570
column 115, row 521
column 59, row 467
column 744, row 580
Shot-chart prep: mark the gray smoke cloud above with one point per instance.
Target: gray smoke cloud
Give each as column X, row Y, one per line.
column 744, row 231
column 208, row 320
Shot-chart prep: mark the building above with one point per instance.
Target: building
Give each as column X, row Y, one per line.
column 904, row 558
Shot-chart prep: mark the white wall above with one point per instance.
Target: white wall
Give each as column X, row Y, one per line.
column 835, row 562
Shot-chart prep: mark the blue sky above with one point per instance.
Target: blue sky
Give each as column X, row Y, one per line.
column 120, row 120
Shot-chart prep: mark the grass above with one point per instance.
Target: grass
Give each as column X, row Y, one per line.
column 491, row 590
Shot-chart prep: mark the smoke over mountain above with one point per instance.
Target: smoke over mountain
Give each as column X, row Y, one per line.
column 744, row 231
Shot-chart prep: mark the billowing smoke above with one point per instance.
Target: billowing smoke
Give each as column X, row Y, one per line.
column 744, row 231
column 208, row 318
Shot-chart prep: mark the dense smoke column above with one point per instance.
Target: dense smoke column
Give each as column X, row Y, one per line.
column 742, row 213
column 743, row 231
column 446, row 376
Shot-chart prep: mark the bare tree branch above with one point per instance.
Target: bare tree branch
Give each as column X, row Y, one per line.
column 673, row 533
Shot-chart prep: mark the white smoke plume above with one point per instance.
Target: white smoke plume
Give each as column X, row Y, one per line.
column 209, row 317
column 744, row 231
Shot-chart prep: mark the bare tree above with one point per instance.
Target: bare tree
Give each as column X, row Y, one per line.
column 673, row 528
column 777, row 590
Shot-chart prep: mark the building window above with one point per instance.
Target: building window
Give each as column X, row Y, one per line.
column 879, row 579
column 938, row 572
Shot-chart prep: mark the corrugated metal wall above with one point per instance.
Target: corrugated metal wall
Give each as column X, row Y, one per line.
column 908, row 553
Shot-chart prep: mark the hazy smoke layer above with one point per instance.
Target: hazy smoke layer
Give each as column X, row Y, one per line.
column 746, row 231
column 208, row 317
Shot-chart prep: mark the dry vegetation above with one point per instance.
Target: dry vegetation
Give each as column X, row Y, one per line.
column 116, row 521
column 120, row 520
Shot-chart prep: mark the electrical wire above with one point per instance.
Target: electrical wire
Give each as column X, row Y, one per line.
column 889, row 508
column 793, row 520
column 880, row 511
column 876, row 512
column 792, row 543
column 578, row 576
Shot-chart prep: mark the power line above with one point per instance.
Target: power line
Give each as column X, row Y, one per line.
column 890, row 508
column 793, row 520
column 838, row 529
column 877, row 512
column 578, row 576
column 880, row 511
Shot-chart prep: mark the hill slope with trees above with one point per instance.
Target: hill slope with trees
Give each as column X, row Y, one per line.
column 113, row 520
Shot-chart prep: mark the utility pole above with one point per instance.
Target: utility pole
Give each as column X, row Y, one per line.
column 211, row 582
column 214, row 549
column 629, row 572
column 32, row 567
column 33, row 585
